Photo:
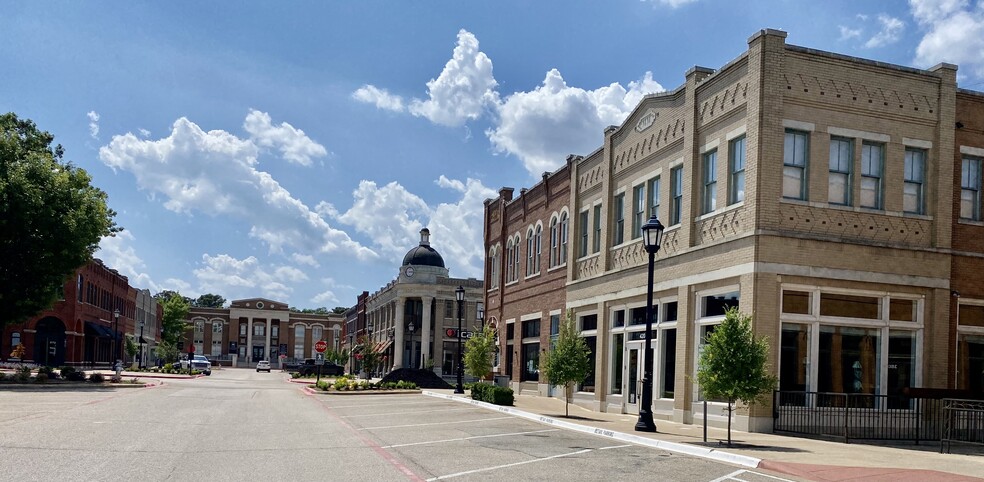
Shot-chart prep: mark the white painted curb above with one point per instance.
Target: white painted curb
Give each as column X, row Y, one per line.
column 702, row 452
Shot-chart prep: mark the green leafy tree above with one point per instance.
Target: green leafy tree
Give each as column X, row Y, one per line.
column 129, row 346
column 479, row 350
column 568, row 362
column 173, row 322
column 165, row 294
column 339, row 357
column 51, row 219
column 368, row 357
column 339, row 310
column 167, row 351
column 209, row 300
column 733, row 364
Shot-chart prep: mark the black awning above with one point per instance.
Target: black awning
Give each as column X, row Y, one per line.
column 99, row 330
column 143, row 341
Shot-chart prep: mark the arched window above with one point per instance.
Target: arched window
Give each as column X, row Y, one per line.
column 554, row 242
column 317, row 333
column 78, row 288
column 509, row 260
column 529, row 251
column 216, row 338
column 538, row 243
column 493, row 267
column 563, row 239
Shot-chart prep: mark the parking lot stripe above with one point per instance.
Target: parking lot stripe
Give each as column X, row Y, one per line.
column 412, row 411
column 616, row 447
column 471, row 438
column 435, row 423
column 469, row 472
column 364, row 405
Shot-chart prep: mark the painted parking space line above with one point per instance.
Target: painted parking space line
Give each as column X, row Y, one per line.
column 411, row 412
column 368, row 405
column 504, row 466
column 435, row 423
column 734, row 476
column 616, row 447
column 471, row 438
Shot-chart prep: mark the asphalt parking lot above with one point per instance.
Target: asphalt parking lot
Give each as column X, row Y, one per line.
column 429, row 438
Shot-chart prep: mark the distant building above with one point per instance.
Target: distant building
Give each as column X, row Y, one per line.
column 422, row 296
column 255, row 329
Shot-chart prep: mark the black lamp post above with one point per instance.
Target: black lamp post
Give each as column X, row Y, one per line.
column 459, row 294
column 368, row 346
column 412, row 328
column 116, row 334
column 351, row 354
column 141, row 340
column 652, row 237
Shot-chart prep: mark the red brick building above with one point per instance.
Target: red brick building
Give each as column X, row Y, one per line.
column 81, row 328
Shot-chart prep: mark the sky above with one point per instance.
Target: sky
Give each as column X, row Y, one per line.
column 294, row 150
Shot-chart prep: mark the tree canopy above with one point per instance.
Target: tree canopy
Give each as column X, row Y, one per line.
column 173, row 322
column 569, row 361
column 51, row 219
column 209, row 300
column 732, row 363
column 479, row 352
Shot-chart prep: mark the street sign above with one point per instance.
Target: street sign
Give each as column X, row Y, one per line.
column 319, row 358
column 321, row 346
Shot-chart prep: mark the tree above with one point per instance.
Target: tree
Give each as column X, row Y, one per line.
column 167, row 351
column 339, row 310
column 130, row 347
column 732, row 363
column 173, row 322
column 339, row 357
column 569, row 361
column 366, row 354
column 209, row 300
column 51, row 219
column 479, row 350
column 162, row 296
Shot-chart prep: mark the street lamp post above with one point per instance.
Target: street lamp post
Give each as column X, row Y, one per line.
column 652, row 237
column 412, row 328
column 367, row 347
column 459, row 294
column 140, row 355
column 116, row 334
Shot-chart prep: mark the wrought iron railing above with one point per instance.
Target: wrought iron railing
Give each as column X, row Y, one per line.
column 963, row 422
column 850, row 416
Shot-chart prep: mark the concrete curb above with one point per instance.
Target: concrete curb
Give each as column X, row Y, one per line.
column 712, row 454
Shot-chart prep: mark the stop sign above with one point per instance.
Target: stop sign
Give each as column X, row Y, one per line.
column 321, row 346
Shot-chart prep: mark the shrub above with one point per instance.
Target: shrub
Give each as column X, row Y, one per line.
column 480, row 391
column 340, row 384
column 2, row 376
column 49, row 372
column 97, row 378
column 114, row 378
column 76, row 376
column 41, row 377
column 295, row 374
column 502, row 396
column 67, row 371
column 23, row 374
column 168, row 368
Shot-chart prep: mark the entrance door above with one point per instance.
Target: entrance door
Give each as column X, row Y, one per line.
column 632, row 377
column 257, row 353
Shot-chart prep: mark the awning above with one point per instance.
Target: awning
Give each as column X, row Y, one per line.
column 383, row 346
column 100, row 330
column 143, row 341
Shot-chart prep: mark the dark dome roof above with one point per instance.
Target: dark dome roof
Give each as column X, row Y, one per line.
column 423, row 255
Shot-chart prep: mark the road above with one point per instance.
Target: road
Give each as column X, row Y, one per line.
column 238, row 424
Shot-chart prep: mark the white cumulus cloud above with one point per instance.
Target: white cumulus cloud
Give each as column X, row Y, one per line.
column 381, row 98
column 243, row 278
column 292, row 143
column 93, row 124
column 544, row 125
column 117, row 252
column 215, row 173
column 847, row 33
column 890, row 31
column 670, row 3
column 954, row 33
column 393, row 217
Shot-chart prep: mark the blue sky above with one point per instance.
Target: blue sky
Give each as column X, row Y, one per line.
column 293, row 150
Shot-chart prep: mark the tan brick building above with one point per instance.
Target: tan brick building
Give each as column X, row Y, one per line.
column 813, row 191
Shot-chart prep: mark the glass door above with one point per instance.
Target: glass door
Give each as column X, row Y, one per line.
column 633, row 380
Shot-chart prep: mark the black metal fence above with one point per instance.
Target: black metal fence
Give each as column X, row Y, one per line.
column 858, row 416
column 963, row 422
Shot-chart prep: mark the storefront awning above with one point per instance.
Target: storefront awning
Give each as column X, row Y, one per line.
column 99, row 330
column 383, row 346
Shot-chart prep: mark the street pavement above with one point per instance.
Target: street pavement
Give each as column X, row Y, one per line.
column 806, row 458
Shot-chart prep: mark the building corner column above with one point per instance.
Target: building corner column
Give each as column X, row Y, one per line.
column 425, row 331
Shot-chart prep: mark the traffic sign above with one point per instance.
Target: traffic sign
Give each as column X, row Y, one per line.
column 319, row 358
column 321, row 346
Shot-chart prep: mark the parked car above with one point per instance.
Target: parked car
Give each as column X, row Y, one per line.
column 202, row 364
column 308, row 368
column 263, row 366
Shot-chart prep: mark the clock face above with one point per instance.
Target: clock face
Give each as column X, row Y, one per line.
column 409, row 271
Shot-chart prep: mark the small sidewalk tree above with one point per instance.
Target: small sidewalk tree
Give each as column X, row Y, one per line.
column 479, row 350
column 732, row 364
column 568, row 362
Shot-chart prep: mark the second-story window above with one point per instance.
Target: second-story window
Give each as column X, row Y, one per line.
column 582, row 249
column 530, row 250
column 841, row 160
column 538, row 244
column 618, row 220
column 970, row 189
column 871, row 174
column 676, row 195
column 710, row 182
column 652, row 188
column 912, row 191
column 736, row 186
column 554, row 241
column 564, row 225
column 795, row 159
column 638, row 210
column 596, row 242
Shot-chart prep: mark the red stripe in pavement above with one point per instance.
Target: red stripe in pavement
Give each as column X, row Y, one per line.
column 834, row 473
column 385, row 454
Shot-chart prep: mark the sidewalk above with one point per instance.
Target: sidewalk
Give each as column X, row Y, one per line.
column 798, row 457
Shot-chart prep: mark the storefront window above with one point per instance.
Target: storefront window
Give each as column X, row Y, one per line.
column 618, row 352
column 589, row 383
column 531, row 362
column 668, row 377
column 716, row 305
column 850, row 360
column 794, row 357
column 850, row 306
column 970, row 365
column 796, row 302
